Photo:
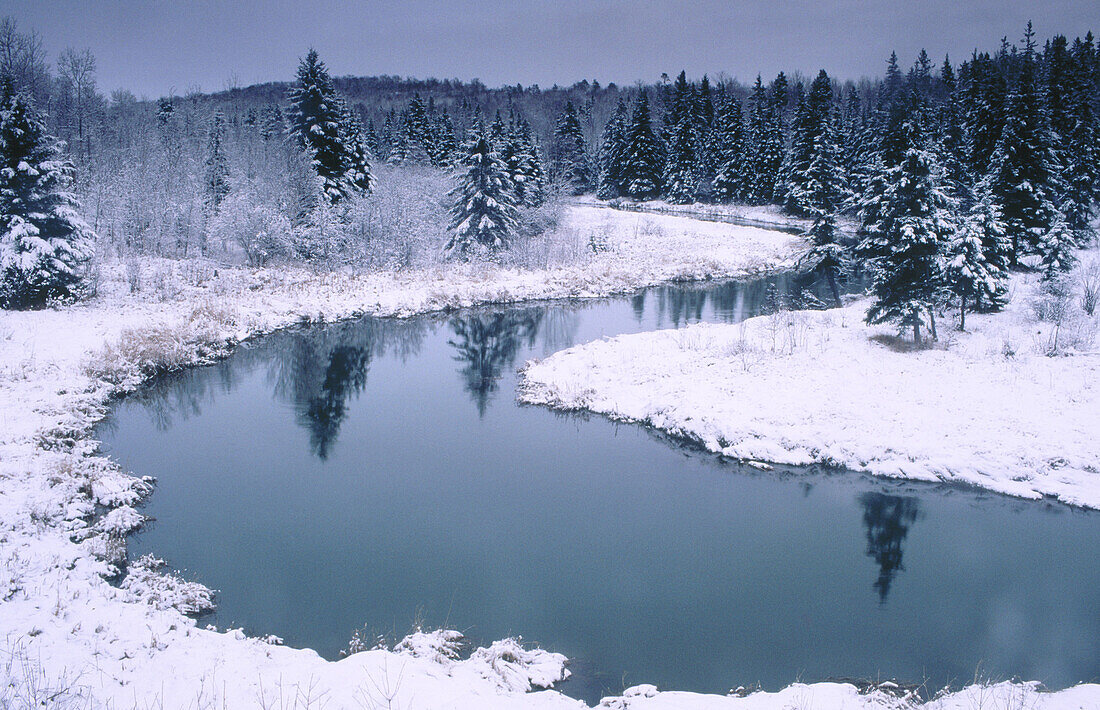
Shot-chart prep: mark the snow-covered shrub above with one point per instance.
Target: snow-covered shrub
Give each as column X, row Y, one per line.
column 404, row 221
column 1088, row 278
column 255, row 225
column 147, row 581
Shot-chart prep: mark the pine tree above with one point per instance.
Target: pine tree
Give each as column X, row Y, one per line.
column 612, row 146
column 765, row 142
column 484, row 212
column 976, row 270
column 822, row 194
column 906, row 225
column 532, row 191
column 273, row 125
column 569, row 157
column 984, row 93
column 217, row 164
column 319, row 125
column 44, row 244
column 728, row 141
column 1081, row 175
column 643, row 160
column 1057, row 251
column 356, row 152
column 811, row 126
column 679, row 177
column 1023, row 174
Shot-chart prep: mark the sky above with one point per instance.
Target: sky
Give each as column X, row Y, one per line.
column 154, row 48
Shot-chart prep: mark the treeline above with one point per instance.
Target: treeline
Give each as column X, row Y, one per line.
column 994, row 157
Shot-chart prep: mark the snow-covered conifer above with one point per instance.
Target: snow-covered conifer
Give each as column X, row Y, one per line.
column 484, row 212
column 44, row 244
column 569, row 157
column 643, row 160
column 217, row 164
column 906, row 225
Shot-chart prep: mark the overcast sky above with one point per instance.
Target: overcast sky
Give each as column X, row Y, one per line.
column 154, row 47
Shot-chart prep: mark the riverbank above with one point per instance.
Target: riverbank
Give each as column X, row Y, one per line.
column 1012, row 405
column 72, row 640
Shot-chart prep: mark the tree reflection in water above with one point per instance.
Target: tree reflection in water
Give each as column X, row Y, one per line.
column 319, row 371
column 486, row 343
column 887, row 520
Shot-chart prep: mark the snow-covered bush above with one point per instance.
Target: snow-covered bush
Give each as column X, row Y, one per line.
column 1088, row 278
column 255, row 225
column 148, row 581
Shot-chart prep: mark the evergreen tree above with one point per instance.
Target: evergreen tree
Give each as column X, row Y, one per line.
column 906, row 225
column 356, row 153
column 444, row 143
column 765, row 146
column 569, row 157
column 643, row 160
column 1022, row 175
column 1057, row 251
column 531, row 190
column 217, row 164
column 679, row 177
column 44, row 244
column 821, row 194
column 811, row 126
column 1081, row 175
column 612, row 146
column 318, row 123
column 984, row 92
column 728, row 141
column 976, row 269
column 484, row 212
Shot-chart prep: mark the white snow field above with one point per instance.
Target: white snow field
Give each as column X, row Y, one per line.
column 70, row 639
column 987, row 408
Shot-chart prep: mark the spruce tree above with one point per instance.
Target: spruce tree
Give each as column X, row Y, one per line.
column 1023, row 174
column 765, row 145
column 969, row 274
column 44, row 244
column 319, row 125
column 679, row 177
column 809, row 142
column 1057, row 251
column 612, row 145
column 217, row 164
column 728, row 141
column 570, row 153
column 484, row 212
column 643, row 160
column 356, row 152
column 905, row 228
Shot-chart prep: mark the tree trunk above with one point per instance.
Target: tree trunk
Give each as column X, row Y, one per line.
column 916, row 332
column 832, row 285
column 932, row 324
column 962, row 312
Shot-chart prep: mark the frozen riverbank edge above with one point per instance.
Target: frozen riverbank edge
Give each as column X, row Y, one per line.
column 989, row 408
column 70, row 639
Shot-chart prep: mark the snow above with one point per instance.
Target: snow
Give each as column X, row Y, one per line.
column 68, row 638
column 985, row 408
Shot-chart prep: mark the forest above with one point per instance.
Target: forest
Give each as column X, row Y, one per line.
column 952, row 174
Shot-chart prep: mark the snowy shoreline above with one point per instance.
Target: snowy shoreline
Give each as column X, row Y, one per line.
column 72, row 637
column 986, row 408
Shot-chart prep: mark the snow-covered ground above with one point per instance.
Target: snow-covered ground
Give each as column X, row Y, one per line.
column 988, row 407
column 69, row 639
column 764, row 216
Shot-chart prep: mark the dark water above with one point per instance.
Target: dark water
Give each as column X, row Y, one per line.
column 377, row 472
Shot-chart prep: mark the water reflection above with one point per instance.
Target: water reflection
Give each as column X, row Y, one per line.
column 580, row 522
column 486, row 343
column 319, row 371
column 887, row 520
